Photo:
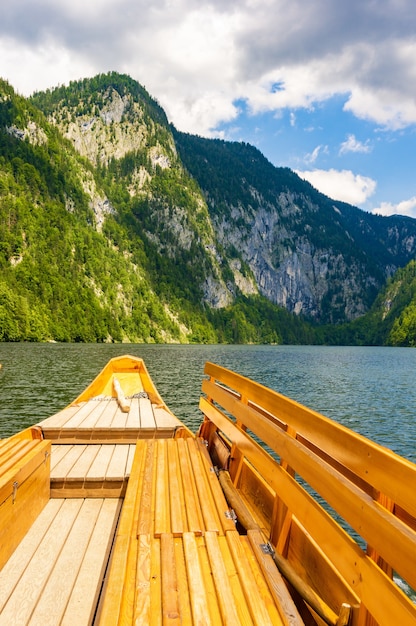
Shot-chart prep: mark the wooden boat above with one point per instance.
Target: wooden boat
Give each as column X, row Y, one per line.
column 113, row 512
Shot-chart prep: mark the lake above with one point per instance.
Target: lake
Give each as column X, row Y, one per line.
column 371, row 390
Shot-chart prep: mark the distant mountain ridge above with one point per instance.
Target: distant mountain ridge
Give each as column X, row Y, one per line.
column 116, row 226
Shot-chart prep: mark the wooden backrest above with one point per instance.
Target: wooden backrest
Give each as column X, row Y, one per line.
column 368, row 486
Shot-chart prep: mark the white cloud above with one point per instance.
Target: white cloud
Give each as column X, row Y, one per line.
column 341, row 185
column 199, row 57
column 406, row 207
column 312, row 156
column 351, row 144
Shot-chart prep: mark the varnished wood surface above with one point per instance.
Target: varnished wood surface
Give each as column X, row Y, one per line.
column 178, row 558
column 370, row 487
column 54, row 576
column 90, row 470
column 103, row 420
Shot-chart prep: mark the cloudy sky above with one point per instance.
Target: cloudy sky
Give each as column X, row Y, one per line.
column 325, row 87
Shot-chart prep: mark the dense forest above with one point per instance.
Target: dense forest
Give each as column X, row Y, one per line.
column 116, row 227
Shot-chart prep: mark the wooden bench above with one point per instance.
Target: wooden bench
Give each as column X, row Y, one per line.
column 90, row 470
column 24, row 486
column 55, row 575
column 103, row 420
column 178, row 557
column 370, row 487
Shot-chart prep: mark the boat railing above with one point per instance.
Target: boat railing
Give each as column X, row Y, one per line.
column 368, row 486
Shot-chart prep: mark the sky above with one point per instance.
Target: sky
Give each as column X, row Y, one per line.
column 325, row 87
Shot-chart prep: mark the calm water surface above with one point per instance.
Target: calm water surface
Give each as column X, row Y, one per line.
column 370, row 390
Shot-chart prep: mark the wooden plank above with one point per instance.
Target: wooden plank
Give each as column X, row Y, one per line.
column 162, row 512
column 93, row 418
column 209, row 512
column 55, row 595
column 176, row 491
column 225, row 596
column 59, row 419
column 81, row 467
column 114, row 587
column 275, row 581
column 198, row 596
column 81, row 606
column 58, row 451
column 165, row 419
column 98, row 470
column 133, row 416
column 107, row 416
column 15, row 454
column 170, row 600
column 145, row 521
column 120, row 419
column 237, row 590
column 193, row 509
column 117, row 467
column 183, row 592
column 147, row 419
column 14, row 568
column 20, row 605
column 142, row 604
column 132, row 449
column 77, row 419
column 68, row 461
column 254, row 598
column 215, row 487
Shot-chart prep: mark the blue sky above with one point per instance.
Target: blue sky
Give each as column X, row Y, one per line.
column 325, row 87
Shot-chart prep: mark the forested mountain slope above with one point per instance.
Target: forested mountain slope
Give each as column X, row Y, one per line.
column 114, row 226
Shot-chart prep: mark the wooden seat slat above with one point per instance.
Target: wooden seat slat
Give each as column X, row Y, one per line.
column 64, row 466
column 83, row 600
column 169, row 580
column 133, row 416
column 192, row 505
column 254, row 596
column 132, row 450
column 98, row 469
column 145, row 519
column 59, row 419
column 91, row 420
column 107, row 416
column 29, row 587
column 120, row 418
column 147, row 418
column 176, row 491
column 82, row 465
column 162, row 517
column 55, row 595
column 227, row 604
column 117, row 466
column 19, row 560
column 196, row 583
column 78, row 418
column 57, row 453
column 219, row 500
column 209, row 511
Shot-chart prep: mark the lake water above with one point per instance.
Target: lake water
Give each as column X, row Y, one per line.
column 371, row 390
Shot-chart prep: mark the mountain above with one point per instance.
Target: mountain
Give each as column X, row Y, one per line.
column 115, row 226
column 306, row 252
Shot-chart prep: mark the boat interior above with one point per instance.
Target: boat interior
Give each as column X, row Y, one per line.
column 113, row 512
